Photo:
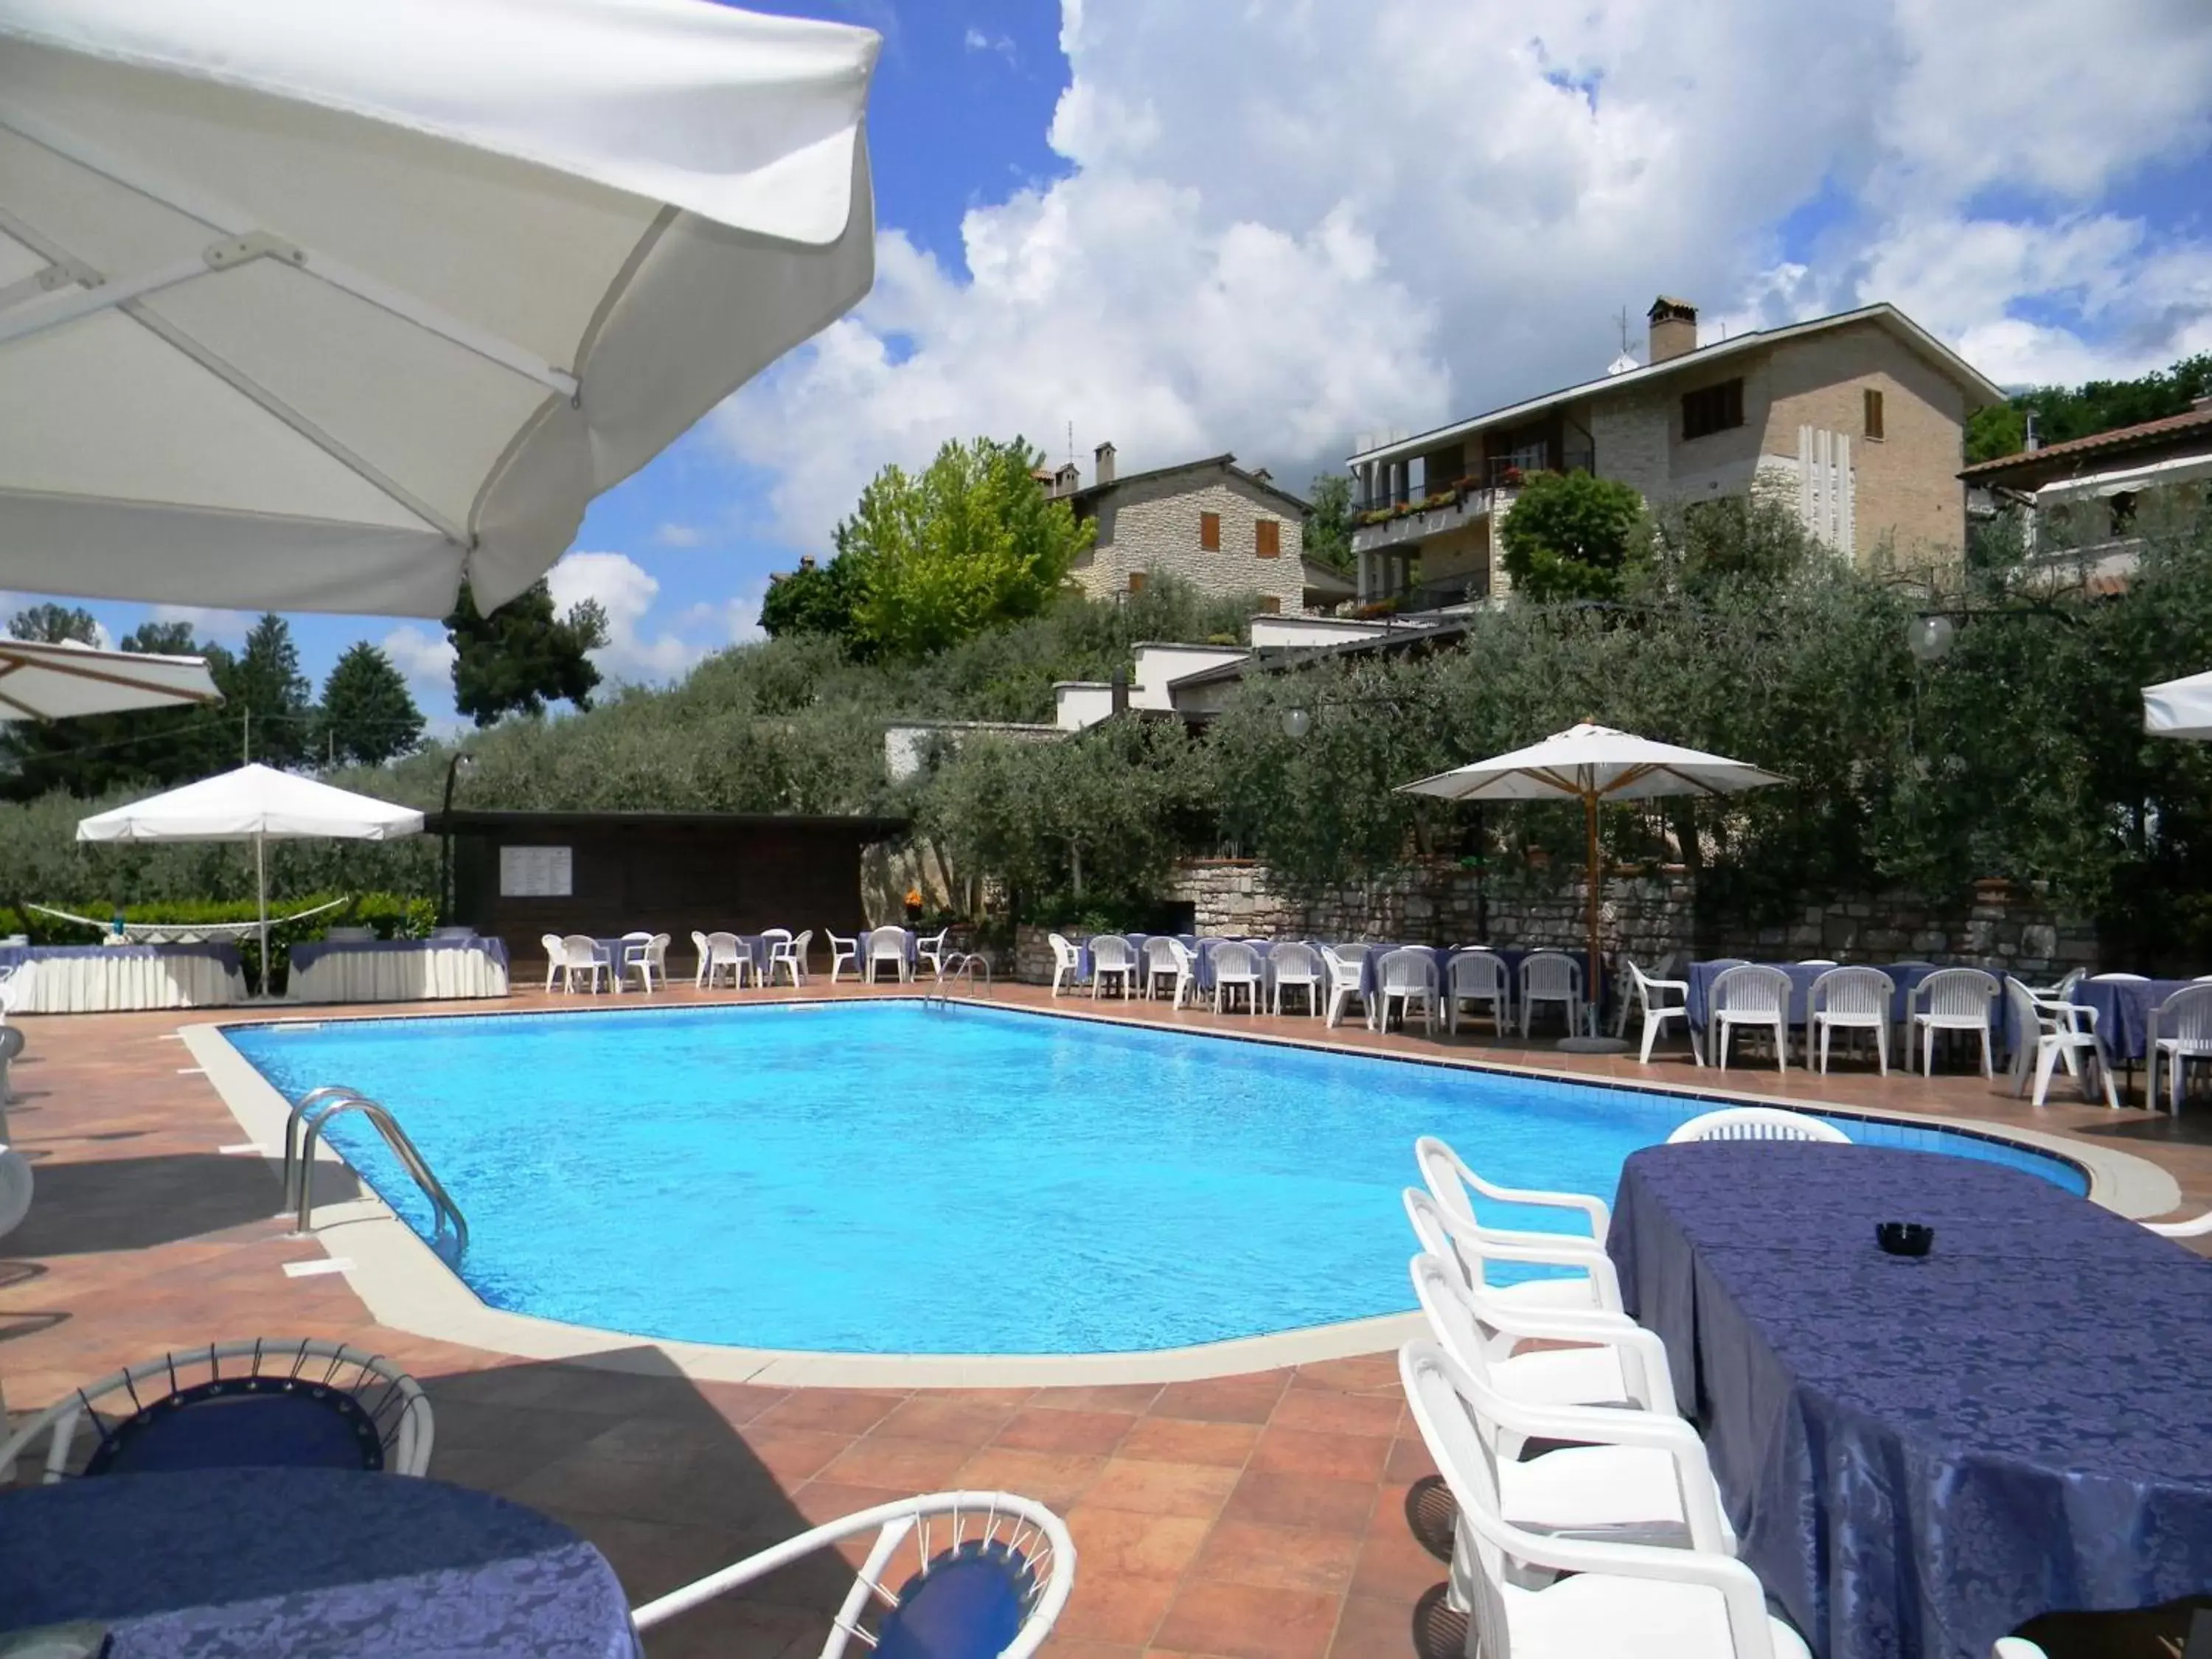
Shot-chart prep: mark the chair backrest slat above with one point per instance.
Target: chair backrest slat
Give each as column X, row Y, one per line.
column 1863, row 991
column 1752, row 987
column 1756, row 1123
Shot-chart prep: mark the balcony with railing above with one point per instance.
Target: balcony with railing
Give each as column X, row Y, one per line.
column 1415, row 514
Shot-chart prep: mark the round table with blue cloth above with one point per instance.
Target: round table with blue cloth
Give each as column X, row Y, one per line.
column 2125, row 1010
column 1921, row 1455
column 242, row 1564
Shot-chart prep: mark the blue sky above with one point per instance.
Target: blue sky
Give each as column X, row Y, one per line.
column 1277, row 228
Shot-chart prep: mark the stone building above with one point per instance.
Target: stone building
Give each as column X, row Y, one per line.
column 1224, row 530
column 1856, row 422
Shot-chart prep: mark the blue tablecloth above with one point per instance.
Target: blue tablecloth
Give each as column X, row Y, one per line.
column 249, row 1563
column 2125, row 1008
column 1920, row 1455
column 306, row 956
column 1906, row 977
column 14, row 956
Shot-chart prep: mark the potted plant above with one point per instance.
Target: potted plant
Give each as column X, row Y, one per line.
column 913, row 906
column 1510, row 477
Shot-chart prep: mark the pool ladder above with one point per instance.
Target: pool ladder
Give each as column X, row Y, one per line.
column 304, row 1128
column 959, row 968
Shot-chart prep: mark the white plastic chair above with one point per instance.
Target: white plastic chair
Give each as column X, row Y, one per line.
column 1478, row 976
column 1292, row 966
column 1113, row 957
column 579, row 953
column 1653, row 997
column 980, row 1553
column 1955, row 1000
column 2181, row 1030
column 1169, row 959
column 789, row 954
column 1818, row 961
column 2063, row 987
column 700, row 951
column 1613, row 1361
column 2016, row 1647
column 1550, row 976
column 728, row 951
column 1065, row 960
column 17, row 1188
column 1455, row 1182
column 1237, row 967
column 115, row 1420
column 1406, row 976
column 1344, row 976
column 1757, row 1123
column 1589, row 1279
column 1753, row 995
column 886, row 945
column 648, row 957
column 2051, row 1032
column 930, row 952
column 1610, row 1601
column 1631, row 1476
column 2195, row 1227
column 844, row 952
column 556, row 956
column 1848, row 1000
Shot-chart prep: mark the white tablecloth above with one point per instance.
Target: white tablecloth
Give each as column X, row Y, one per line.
column 426, row 972
column 105, row 981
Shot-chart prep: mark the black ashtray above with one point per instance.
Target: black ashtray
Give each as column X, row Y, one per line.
column 1903, row 1237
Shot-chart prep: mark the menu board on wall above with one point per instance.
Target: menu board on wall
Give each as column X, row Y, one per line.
column 535, row 872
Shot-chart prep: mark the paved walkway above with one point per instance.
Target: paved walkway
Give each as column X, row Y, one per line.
column 1276, row 1516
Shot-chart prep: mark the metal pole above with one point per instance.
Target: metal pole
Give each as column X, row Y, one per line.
column 261, row 886
column 1597, row 977
column 445, row 845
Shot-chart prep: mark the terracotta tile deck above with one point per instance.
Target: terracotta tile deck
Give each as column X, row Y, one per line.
column 1277, row 1515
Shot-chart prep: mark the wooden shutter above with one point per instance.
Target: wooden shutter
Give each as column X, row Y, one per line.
column 1136, row 582
column 1270, row 605
column 1873, row 413
column 1209, row 532
column 1267, row 538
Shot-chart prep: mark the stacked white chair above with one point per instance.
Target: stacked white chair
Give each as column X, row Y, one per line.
column 1603, row 1599
column 887, row 944
column 1113, row 957
column 790, row 955
column 844, row 952
column 1292, row 966
column 1478, row 976
column 1751, row 995
column 1954, row 1000
column 2052, row 1031
column 727, row 950
column 1551, row 976
column 2181, row 1032
column 1655, row 998
column 1757, row 1123
column 1344, row 979
column 1237, row 967
column 1160, row 963
column 1406, row 976
column 1584, row 1274
column 1848, row 1000
column 1067, row 960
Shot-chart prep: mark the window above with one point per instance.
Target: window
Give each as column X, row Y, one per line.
column 1712, row 408
column 1873, row 413
column 1267, row 538
column 1136, row 582
column 1270, row 605
column 1209, row 532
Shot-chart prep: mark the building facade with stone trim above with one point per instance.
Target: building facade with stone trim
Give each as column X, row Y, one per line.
column 1854, row 422
column 1227, row 532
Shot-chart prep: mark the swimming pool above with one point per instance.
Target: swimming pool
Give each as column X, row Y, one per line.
column 884, row 1177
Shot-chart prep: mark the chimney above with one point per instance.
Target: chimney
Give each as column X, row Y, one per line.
column 2031, row 440
column 807, row 561
column 1674, row 329
column 1260, row 475
column 1105, row 454
column 2201, row 405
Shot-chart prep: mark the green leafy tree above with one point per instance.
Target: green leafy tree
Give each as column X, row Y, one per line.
column 1569, row 537
column 1328, row 522
column 2063, row 413
column 811, row 599
column 368, row 716
column 968, row 544
column 523, row 656
column 54, row 625
column 265, row 690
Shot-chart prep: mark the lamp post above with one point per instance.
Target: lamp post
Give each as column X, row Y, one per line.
column 1929, row 638
column 1297, row 723
column 462, row 761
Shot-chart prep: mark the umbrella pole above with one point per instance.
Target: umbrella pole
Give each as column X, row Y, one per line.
column 1593, row 983
column 261, row 888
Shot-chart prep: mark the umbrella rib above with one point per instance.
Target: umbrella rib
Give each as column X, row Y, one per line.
column 270, row 404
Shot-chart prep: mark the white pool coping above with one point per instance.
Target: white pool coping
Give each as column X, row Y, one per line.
column 409, row 1288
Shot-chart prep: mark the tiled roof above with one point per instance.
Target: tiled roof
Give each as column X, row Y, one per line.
column 2121, row 437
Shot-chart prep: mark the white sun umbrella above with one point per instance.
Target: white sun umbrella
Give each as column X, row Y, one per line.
column 1594, row 764
column 2179, row 709
column 42, row 681
column 257, row 804
column 312, row 305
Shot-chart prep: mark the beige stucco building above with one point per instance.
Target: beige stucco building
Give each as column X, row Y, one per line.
column 1224, row 530
column 1856, row 422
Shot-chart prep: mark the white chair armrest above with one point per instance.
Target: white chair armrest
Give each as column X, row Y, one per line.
column 1593, row 1208
column 1644, row 1366
column 1603, row 1278
column 1598, row 1426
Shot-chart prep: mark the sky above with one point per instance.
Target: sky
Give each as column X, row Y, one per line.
column 1281, row 227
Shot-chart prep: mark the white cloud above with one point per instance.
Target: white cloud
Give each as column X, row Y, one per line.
column 423, row 657
column 1373, row 214
column 220, row 627
column 678, row 535
column 976, row 40
column 734, row 621
column 625, row 591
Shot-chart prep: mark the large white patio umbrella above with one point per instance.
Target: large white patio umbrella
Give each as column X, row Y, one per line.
column 2179, row 709
column 1594, row 764
column 41, row 681
column 318, row 304
column 257, row 804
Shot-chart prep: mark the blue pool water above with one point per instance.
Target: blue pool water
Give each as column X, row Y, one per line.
column 884, row 1178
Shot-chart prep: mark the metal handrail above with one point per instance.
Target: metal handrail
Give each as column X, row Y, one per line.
column 441, row 1204
column 329, row 1091
column 962, row 966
